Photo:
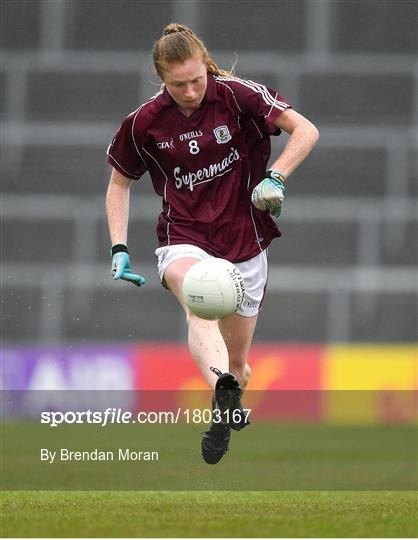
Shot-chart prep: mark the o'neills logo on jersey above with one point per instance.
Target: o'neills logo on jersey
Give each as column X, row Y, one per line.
column 206, row 174
column 191, row 135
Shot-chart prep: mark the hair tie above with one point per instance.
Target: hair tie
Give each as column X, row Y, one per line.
column 175, row 29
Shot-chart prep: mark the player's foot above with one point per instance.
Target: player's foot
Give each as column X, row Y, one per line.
column 228, row 400
column 215, row 441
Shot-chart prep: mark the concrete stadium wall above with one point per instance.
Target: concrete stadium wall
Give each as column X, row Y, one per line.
column 345, row 269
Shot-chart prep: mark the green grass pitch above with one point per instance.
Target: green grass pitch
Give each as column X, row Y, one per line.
column 287, row 481
column 209, row 514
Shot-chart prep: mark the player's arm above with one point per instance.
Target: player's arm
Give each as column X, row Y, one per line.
column 303, row 137
column 117, row 207
column 269, row 193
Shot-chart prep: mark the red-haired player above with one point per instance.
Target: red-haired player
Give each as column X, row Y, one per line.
column 204, row 138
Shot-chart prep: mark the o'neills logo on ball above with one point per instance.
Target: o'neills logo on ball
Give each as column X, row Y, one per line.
column 196, row 299
column 238, row 282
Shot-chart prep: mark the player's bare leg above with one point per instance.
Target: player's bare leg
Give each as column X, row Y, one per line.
column 205, row 340
column 208, row 348
column 237, row 332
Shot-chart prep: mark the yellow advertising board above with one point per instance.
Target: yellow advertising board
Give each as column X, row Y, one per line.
column 370, row 383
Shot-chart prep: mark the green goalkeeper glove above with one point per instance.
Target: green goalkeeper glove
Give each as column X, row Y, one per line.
column 269, row 193
column 121, row 266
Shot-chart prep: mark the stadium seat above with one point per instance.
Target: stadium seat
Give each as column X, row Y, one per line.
column 340, row 172
column 293, row 316
column 67, row 86
column 260, row 22
column 20, row 313
column 83, row 96
column 377, row 30
column 64, row 169
column 124, row 313
column 338, row 98
column 322, row 244
column 45, row 241
column 384, row 317
column 118, row 23
column 20, row 25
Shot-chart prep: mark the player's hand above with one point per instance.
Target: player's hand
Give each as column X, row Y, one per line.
column 121, row 269
column 269, row 193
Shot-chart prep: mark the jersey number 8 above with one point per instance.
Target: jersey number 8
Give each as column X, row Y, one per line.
column 193, row 147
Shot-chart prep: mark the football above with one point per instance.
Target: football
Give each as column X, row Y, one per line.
column 213, row 289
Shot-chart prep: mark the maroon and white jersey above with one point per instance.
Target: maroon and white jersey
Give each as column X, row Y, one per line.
column 205, row 166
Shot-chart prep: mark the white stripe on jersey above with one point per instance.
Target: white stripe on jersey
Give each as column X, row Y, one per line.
column 136, row 112
column 166, row 178
column 133, row 138
column 257, row 237
column 165, row 192
column 262, row 88
column 258, row 88
column 257, row 128
column 120, row 166
column 233, row 95
column 146, row 103
column 156, row 161
column 271, row 108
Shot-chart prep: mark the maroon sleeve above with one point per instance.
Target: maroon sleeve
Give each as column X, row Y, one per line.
column 259, row 102
column 123, row 152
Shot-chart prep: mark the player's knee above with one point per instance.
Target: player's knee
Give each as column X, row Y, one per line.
column 194, row 320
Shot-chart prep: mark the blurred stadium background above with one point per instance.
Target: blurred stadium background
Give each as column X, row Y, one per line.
column 341, row 311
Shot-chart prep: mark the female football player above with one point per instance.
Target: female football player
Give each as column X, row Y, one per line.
column 204, row 138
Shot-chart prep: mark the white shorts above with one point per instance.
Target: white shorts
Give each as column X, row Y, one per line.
column 254, row 272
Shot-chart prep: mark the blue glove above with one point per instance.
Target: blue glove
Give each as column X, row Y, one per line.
column 121, row 269
column 269, row 193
